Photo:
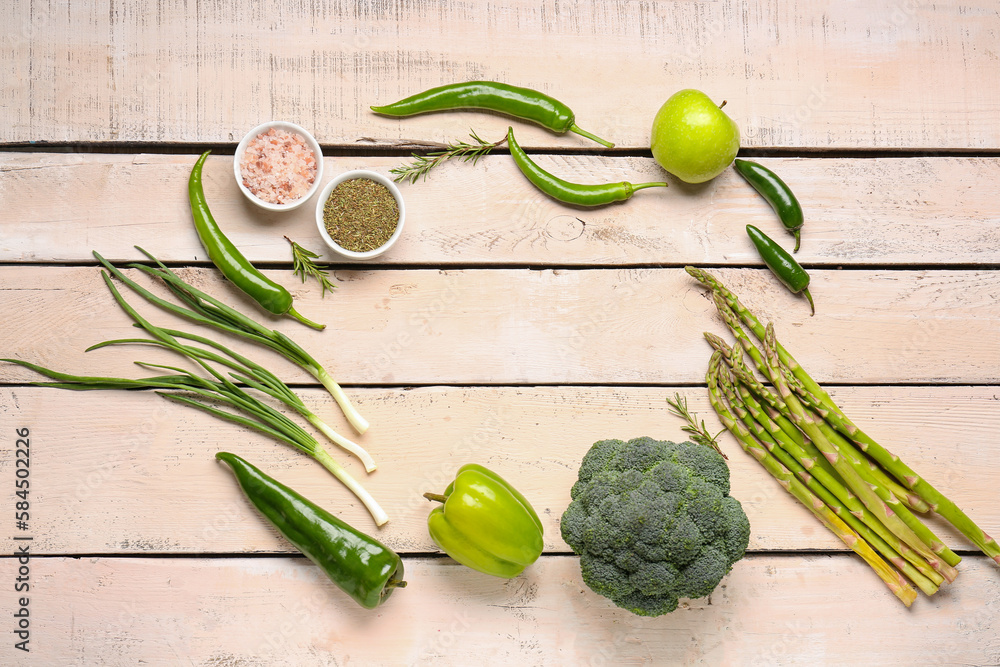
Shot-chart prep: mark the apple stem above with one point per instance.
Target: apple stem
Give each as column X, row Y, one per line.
column 723, row 104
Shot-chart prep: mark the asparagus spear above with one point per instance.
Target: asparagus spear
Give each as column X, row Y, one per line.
column 810, row 400
column 937, row 501
column 884, row 487
column 865, row 467
column 892, row 578
column 882, row 504
column 822, row 480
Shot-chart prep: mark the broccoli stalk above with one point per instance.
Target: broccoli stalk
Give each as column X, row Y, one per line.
column 653, row 522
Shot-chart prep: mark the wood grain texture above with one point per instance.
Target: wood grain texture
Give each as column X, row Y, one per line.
column 129, row 473
column 506, row 326
column 887, row 212
column 822, row 75
column 260, row 611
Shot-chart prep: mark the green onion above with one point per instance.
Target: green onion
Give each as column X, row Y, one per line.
column 255, row 413
column 207, row 310
column 208, row 394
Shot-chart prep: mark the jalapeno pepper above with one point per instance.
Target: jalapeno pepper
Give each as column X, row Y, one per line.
column 523, row 103
column 227, row 258
column 782, row 264
column 359, row 565
column 776, row 193
column 571, row 193
column 485, row 523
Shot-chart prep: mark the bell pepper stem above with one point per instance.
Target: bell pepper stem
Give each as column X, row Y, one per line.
column 435, row 497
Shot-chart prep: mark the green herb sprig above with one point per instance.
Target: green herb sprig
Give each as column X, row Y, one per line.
column 699, row 432
column 421, row 164
column 303, row 266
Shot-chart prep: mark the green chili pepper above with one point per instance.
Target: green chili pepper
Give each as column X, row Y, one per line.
column 782, row 264
column 778, row 195
column 523, row 103
column 571, row 193
column 485, row 523
column 270, row 295
column 360, row 565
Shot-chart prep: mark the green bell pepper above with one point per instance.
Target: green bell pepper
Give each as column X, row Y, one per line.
column 485, row 523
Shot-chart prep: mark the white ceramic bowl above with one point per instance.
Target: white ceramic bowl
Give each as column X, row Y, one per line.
column 287, row 127
column 325, row 194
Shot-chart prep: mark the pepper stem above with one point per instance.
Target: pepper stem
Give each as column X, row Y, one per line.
column 435, row 497
column 798, row 239
column 642, row 186
column 809, row 297
column 291, row 311
column 594, row 137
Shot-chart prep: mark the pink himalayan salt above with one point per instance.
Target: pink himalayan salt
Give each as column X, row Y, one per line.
column 278, row 166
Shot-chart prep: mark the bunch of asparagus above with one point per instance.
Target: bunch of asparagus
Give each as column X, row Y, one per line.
column 867, row 496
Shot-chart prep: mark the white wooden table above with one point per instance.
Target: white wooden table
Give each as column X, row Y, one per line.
column 504, row 328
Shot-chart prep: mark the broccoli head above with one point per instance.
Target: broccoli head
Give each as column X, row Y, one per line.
column 652, row 521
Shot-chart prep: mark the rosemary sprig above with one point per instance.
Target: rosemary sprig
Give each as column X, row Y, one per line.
column 422, row 164
column 304, row 265
column 699, row 432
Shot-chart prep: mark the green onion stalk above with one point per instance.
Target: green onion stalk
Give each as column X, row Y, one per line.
column 251, row 411
column 248, row 372
column 207, row 395
column 209, row 311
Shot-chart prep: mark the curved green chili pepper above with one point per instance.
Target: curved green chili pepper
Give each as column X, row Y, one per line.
column 360, row 565
column 523, row 103
column 782, row 264
column 571, row 193
column 778, row 195
column 270, row 295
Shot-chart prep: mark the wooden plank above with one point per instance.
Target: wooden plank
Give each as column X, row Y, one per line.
column 128, row 473
column 858, row 211
column 239, row 611
column 559, row 326
column 826, row 76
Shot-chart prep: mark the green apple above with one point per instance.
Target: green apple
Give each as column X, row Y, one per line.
column 693, row 138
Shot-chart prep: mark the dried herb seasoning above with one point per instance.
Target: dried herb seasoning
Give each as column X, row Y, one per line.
column 360, row 214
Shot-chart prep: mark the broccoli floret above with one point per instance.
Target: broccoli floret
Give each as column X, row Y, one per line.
column 652, row 521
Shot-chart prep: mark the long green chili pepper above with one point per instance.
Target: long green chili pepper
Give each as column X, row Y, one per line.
column 358, row 564
column 270, row 295
column 776, row 193
column 571, row 193
column 782, row 264
column 523, row 103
